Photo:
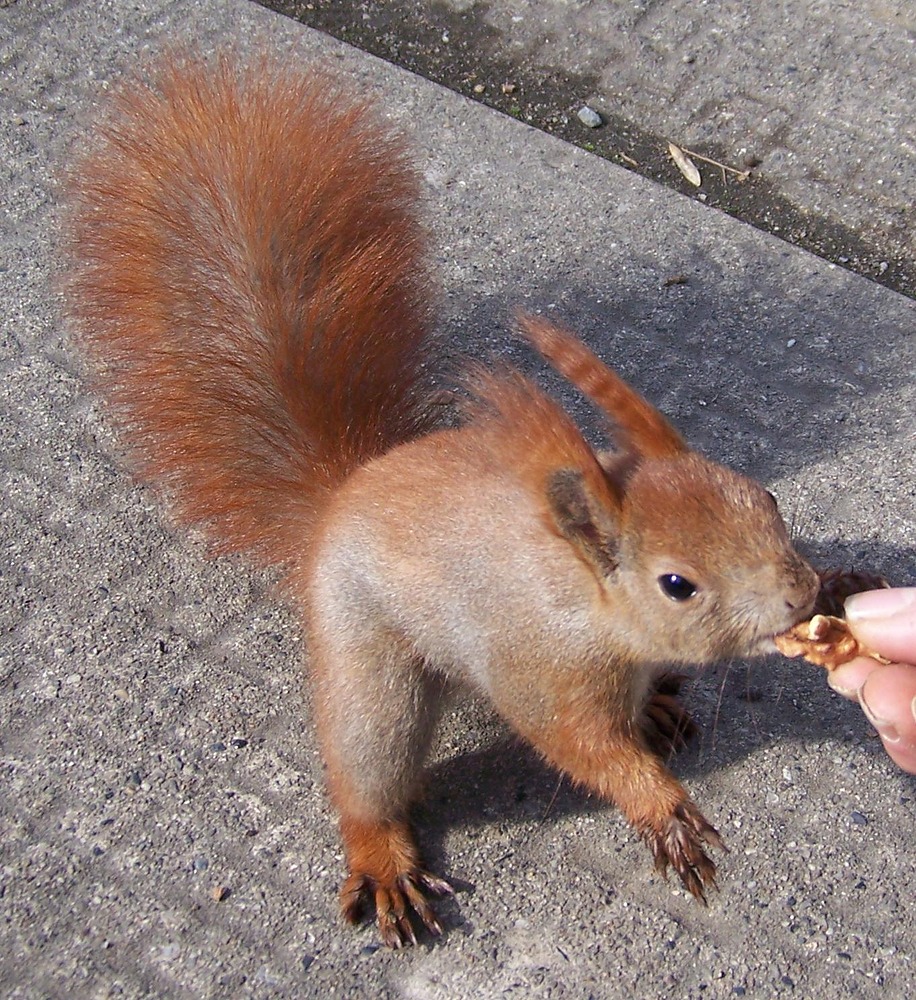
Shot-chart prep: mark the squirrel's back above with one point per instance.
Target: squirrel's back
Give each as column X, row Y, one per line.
column 249, row 275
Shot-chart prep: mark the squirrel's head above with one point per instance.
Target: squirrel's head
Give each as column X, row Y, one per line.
column 697, row 556
column 705, row 560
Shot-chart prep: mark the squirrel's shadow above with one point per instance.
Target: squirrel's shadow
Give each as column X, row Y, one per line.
column 719, row 369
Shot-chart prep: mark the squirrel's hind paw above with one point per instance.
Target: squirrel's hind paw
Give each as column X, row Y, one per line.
column 666, row 724
column 396, row 901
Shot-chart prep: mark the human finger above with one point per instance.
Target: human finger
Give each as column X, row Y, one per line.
column 888, row 699
column 885, row 621
column 848, row 679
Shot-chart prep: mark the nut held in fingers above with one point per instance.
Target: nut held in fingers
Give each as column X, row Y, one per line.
column 825, row 641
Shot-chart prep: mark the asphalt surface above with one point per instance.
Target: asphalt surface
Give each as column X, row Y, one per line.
column 164, row 827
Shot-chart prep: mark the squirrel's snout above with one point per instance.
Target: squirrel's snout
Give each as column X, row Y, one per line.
column 802, row 604
column 803, row 593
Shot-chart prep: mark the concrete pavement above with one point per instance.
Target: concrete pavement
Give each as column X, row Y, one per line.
column 816, row 98
column 155, row 740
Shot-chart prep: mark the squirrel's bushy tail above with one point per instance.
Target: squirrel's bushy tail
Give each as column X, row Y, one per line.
column 250, row 277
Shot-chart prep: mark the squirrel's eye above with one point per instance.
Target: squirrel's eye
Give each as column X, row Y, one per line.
column 678, row 588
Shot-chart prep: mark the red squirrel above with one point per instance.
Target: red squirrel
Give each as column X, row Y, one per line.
column 249, row 275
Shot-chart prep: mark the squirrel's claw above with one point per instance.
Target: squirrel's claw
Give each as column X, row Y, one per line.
column 396, row 903
column 680, row 844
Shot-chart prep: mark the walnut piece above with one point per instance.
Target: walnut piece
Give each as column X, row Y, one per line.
column 825, row 641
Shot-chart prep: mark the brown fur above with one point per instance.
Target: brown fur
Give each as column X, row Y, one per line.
column 249, row 277
column 233, row 266
column 385, row 867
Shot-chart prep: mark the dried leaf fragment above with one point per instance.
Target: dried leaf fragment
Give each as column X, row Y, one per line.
column 825, row 641
column 686, row 166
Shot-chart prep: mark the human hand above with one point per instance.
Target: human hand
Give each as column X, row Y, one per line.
column 885, row 621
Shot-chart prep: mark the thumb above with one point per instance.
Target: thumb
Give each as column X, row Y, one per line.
column 885, row 621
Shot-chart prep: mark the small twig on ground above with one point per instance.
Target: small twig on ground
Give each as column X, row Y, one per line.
column 742, row 175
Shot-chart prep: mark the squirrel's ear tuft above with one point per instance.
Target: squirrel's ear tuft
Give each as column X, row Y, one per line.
column 638, row 427
column 582, row 519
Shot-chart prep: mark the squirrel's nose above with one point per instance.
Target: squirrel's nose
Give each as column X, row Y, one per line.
column 805, row 594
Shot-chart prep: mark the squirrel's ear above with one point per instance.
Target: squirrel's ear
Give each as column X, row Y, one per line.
column 618, row 467
column 582, row 519
column 639, row 428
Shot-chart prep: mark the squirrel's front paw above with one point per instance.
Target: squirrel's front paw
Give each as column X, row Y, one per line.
column 666, row 724
column 395, row 899
column 679, row 842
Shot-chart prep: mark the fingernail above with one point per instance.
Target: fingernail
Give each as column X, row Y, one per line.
column 843, row 689
column 886, row 730
column 874, row 605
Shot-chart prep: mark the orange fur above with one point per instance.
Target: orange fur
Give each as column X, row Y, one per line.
column 248, row 275
column 384, row 865
column 533, row 434
column 231, row 267
column 639, row 426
